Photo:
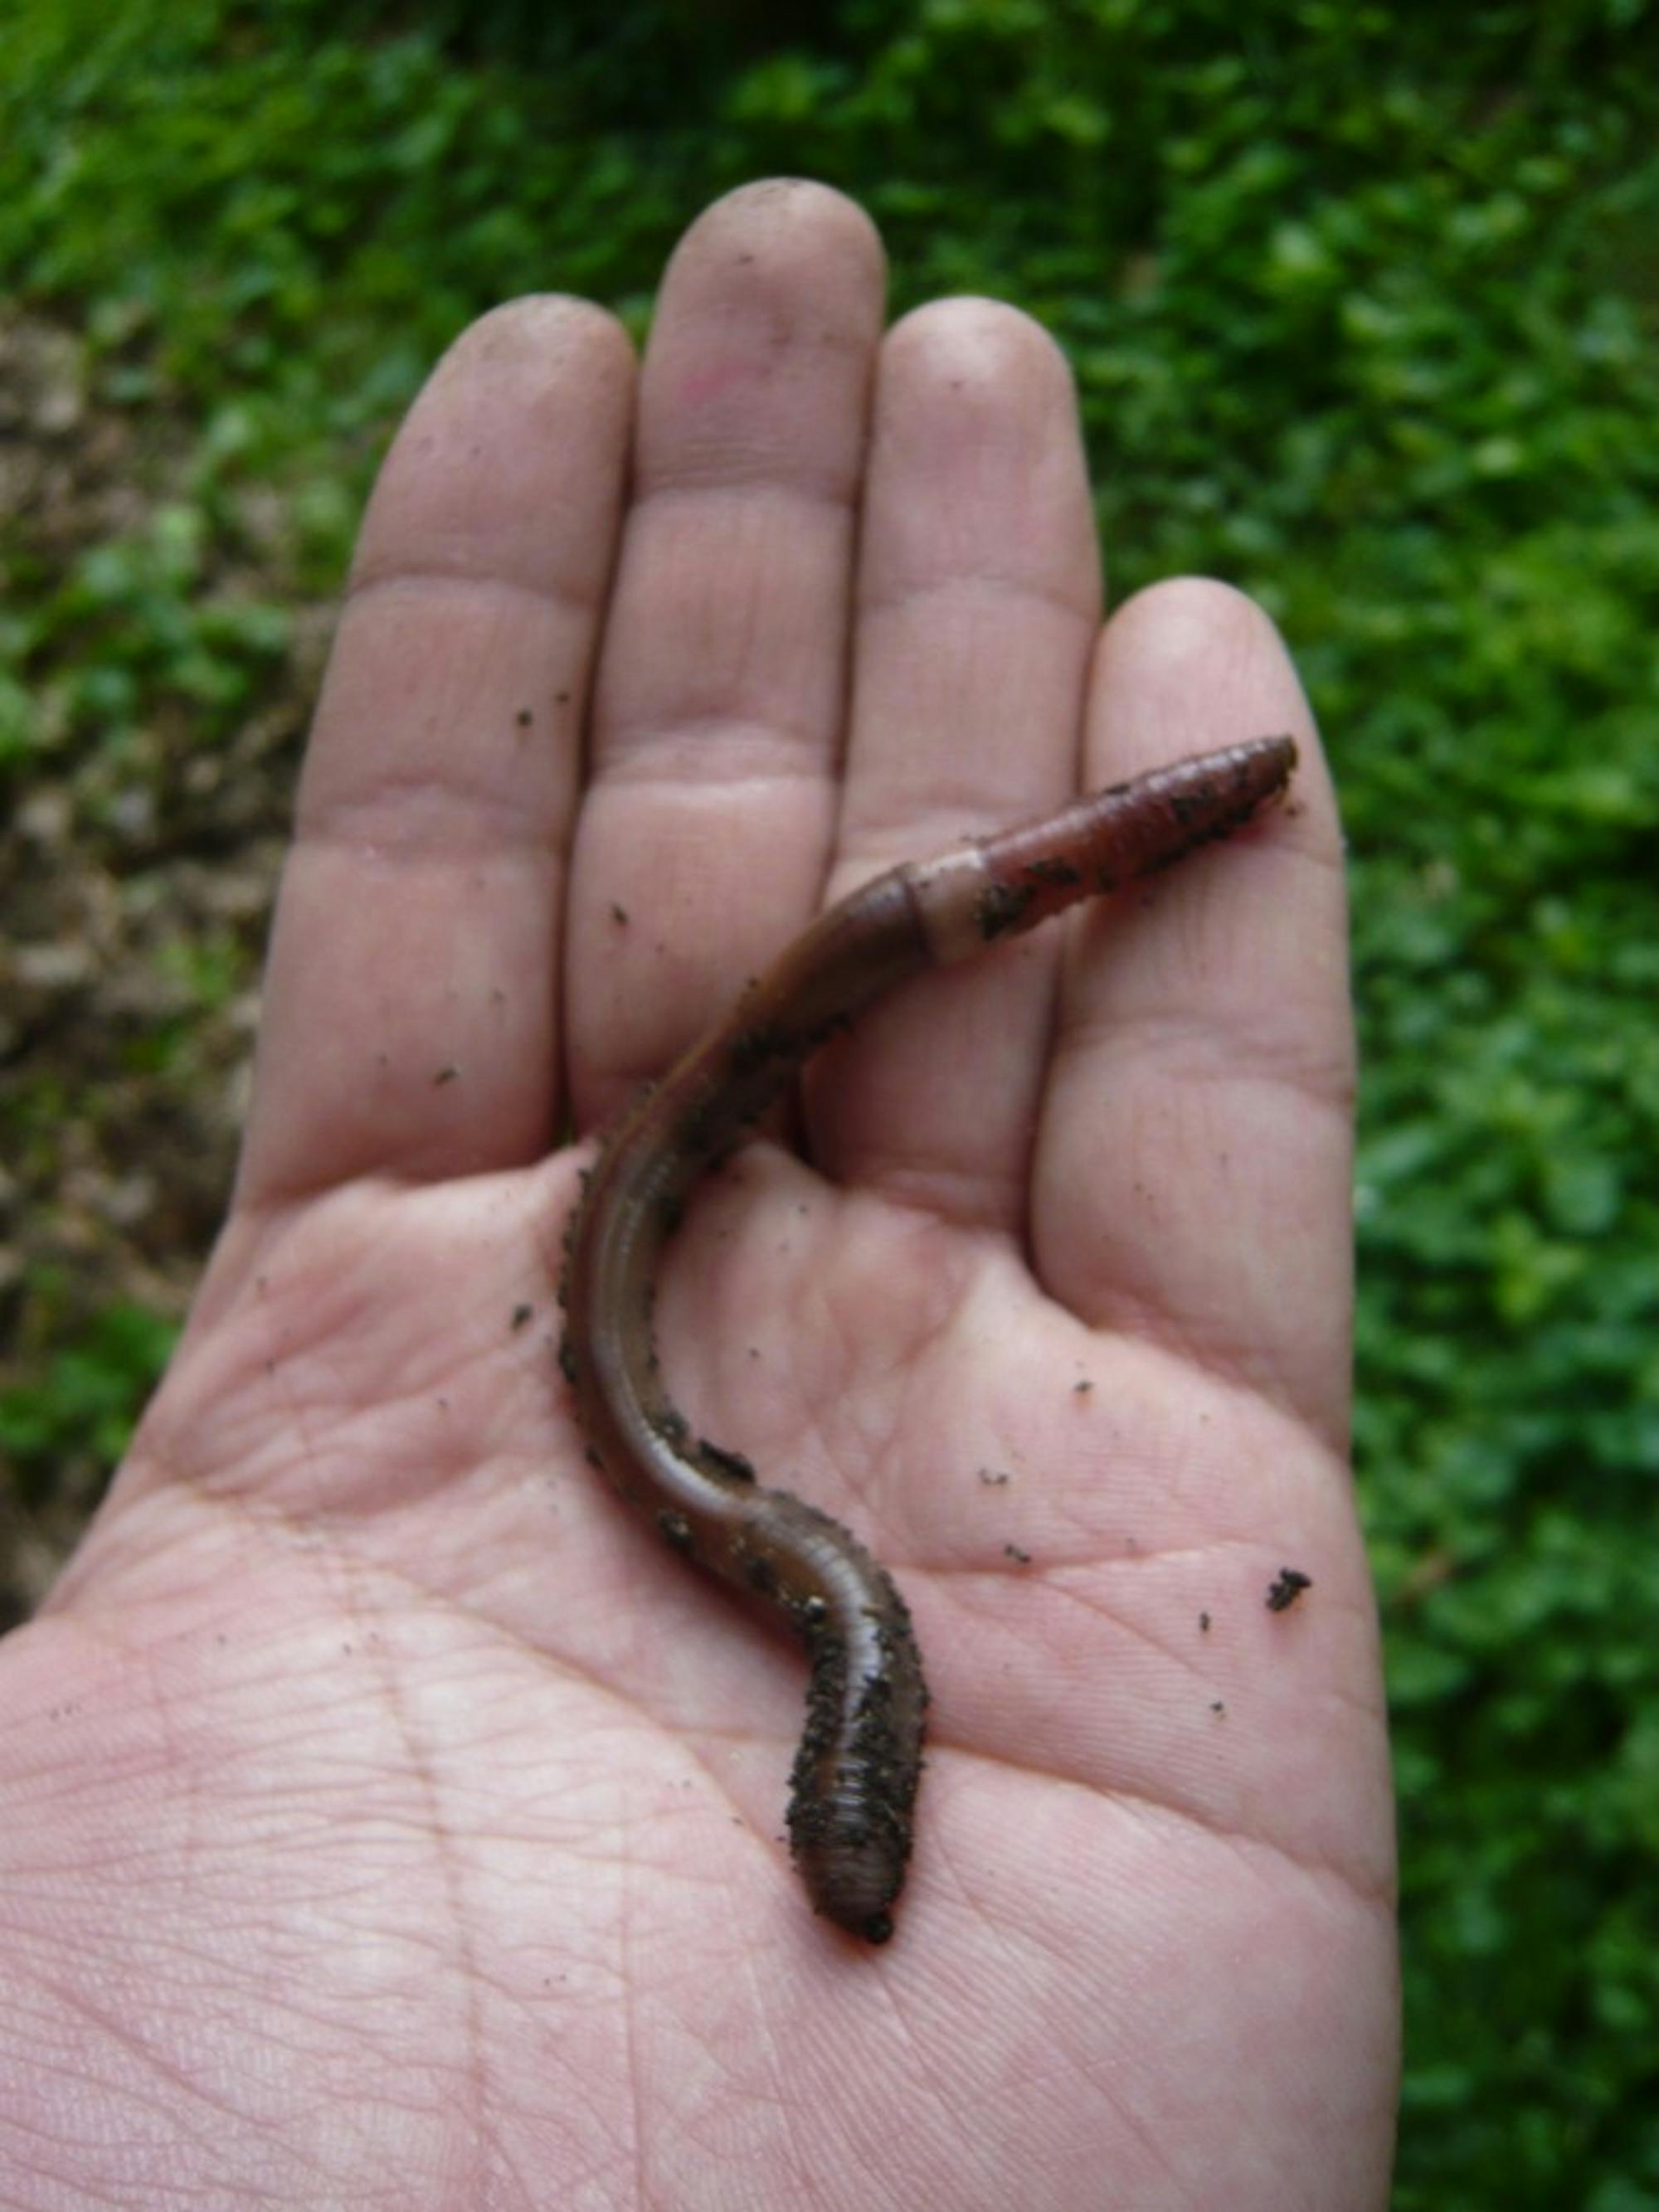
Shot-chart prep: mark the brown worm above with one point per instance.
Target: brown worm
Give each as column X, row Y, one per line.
column 854, row 1780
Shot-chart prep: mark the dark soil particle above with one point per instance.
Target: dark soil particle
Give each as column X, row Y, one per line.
column 1060, row 875
column 1000, row 908
column 1286, row 1588
column 720, row 1461
column 675, row 1530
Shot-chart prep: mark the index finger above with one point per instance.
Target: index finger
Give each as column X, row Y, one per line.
column 409, row 1017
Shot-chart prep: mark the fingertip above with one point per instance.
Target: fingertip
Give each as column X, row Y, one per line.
column 748, row 228
column 1191, row 663
column 485, row 462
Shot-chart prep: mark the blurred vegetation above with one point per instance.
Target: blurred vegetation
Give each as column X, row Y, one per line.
column 1363, row 302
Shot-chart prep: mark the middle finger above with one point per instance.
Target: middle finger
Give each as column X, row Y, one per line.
column 705, row 830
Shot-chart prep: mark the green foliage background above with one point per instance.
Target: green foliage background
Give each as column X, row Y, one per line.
column 1362, row 301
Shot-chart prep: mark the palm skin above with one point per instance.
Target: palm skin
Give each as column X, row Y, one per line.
column 389, row 1820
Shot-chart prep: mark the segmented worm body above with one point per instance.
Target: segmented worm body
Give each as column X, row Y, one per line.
column 854, row 1780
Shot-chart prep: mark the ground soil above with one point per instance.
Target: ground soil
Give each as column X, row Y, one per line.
column 136, row 884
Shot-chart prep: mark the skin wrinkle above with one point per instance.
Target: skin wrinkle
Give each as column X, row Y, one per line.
column 307, row 1409
column 722, row 463
column 1319, row 1870
column 763, row 1174
column 824, row 1410
column 289, row 1192
column 1152, row 1812
column 300, row 1528
column 1225, row 1419
column 287, row 1188
column 1055, row 1962
column 1124, row 1314
column 491, row 2163
column 784, row 2098
column 931, row 1326
column 299, row 1406
column 1045, row 1574
column 183, row 2104
column 720, row 710
column 275, row 1291
column 1054, row 1579
column 435, row 1831
column 260, row 1215
column 708, row 746
column 920, row 2043
column 406, row 586
column 911, row 1359
column 1142, row 2131
column 827, row 493
column 1230, row 1051
column 795, row 325
column 147, row 1663
column 632, row 1982
column 965, row 1202
column 796, row 337
column 189, row 2090
column 1253, row 1074
column 1133, row 1321
column 396, row 824
column 1006, row 589
column 644, row 764
column 418, row 1765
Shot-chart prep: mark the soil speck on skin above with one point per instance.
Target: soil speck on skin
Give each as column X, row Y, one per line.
column 1286, row 1588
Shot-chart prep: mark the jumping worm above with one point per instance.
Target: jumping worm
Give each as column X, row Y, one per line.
column 855, row 1774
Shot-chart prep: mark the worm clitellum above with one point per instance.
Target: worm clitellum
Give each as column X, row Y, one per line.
column 855, row 1773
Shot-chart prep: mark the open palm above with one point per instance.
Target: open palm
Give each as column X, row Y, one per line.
column 389, row 1819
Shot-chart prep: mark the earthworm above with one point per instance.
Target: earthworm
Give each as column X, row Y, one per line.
column 853, row 1784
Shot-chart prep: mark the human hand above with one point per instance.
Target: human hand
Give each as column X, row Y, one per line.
column 389, row 1819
